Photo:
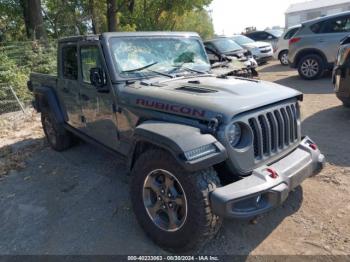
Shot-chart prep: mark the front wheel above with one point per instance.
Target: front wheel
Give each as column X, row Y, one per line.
column 311, row 67
column 171, row 204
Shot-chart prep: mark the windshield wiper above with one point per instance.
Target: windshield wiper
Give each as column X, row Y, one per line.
column 146, row 67
column 140, row 68
column 182, row 66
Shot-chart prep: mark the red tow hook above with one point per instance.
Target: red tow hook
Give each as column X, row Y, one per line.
column 272, row 173
column 313, row 146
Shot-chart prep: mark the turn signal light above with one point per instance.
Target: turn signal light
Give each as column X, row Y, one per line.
column 294, row 40
column 272, row 173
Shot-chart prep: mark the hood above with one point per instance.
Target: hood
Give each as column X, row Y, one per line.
column 257, row 45
column 205, row 97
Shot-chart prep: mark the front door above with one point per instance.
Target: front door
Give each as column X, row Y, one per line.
column 97, row 107
column 68, row 84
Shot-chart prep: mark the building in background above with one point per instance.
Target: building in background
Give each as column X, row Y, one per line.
column 300, row 12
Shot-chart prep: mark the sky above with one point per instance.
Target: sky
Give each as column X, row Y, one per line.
column 231, row 16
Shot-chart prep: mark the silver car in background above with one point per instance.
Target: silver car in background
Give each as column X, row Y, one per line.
column 270, row 36
column 313, row 49
column 281, row 51
column 261, row 51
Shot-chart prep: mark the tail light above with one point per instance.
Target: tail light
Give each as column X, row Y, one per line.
column 294, row 40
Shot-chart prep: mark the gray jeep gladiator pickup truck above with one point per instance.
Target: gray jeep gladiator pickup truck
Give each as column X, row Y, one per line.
column 198, row 147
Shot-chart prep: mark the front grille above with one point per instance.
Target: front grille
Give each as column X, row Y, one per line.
column 274, row 131
column 265, row 50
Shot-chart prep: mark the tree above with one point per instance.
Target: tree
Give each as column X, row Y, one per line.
column 112, row 15
column 33, row 19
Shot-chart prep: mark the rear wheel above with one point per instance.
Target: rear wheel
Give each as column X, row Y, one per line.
column 171, row 204
column 311, row 67
column 283, row 57
column 58, row 138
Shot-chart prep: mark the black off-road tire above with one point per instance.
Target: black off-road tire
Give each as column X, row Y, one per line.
column 200, row 225
column 58, row 138
column 314, row 59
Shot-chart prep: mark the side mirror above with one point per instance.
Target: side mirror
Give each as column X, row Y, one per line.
column 98, row 78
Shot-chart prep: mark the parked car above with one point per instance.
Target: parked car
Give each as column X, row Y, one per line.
column 198, row 148
column 225, row 46
column 270, row 36
column 230, row 59
column 313, row 49
column 341, row 73
column 261, row 51
column 281, row 52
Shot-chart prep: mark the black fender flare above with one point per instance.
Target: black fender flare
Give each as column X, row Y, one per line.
column 178, row 139
column 46, row 100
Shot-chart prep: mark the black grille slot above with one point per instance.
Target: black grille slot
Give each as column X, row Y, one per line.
column 265, row 138
column 255, row 133
column 273, row 126
column 274, row 131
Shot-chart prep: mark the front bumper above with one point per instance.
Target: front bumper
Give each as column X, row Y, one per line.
column 259, row 192
column 264, row 58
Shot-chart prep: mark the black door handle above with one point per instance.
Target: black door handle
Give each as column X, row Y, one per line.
column 65, row 90
column 85, row 97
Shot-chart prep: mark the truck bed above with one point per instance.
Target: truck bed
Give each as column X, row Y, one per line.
column 39, row 80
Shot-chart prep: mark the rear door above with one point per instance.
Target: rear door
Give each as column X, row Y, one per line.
column 97, row 108
column 68, row 84
column 331, row 32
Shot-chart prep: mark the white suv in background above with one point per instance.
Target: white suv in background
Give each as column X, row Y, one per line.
column 281, row 52
column 261, row 51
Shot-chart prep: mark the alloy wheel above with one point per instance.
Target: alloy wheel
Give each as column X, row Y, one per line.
column 284, row 59
column 165, row 200
column 310, row 67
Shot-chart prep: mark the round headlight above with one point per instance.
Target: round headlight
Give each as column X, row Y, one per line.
column 234, row 133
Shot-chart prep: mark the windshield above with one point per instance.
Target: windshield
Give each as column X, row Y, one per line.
column 225, row 45
column 242, row 40
column 136, row 57
column 275, row 32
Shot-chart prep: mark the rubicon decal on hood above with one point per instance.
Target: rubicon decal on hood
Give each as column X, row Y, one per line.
column 184, row 110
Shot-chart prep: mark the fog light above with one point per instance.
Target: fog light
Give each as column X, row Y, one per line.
column 200, row 152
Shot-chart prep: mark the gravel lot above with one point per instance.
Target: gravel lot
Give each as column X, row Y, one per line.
column 77, row 202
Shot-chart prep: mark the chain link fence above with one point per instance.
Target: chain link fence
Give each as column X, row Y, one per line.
column 9, row 101
column 17, row 61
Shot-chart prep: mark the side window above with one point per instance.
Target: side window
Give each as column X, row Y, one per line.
column 254, row 36
column 337, row 25
column 316, row 28
column 90, row 58
column 210, row 46
column 260, row 36
column 290, row 33
column 70, row 62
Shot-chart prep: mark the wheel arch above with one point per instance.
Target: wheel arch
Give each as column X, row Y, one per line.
column 46, row 100
column 310, row 51
column 280, row 53
column 176, row 139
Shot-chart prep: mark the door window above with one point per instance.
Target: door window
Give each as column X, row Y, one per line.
column 336, row 25
column 261, row 36
column 290, row 33
column 90, row 58
column 70, row 62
